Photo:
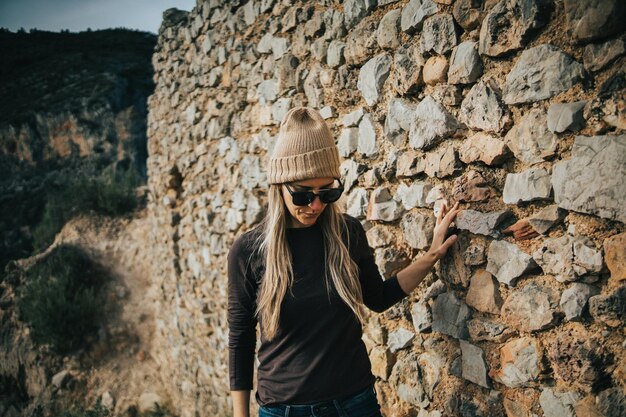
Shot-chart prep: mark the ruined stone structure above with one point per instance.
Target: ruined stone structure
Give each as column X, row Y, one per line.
column 513, row 107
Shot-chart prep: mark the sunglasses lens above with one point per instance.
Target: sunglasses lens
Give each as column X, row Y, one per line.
column 330, row 196
column 302, row 198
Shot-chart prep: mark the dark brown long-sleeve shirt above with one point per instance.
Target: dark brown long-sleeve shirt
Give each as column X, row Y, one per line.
column 318, row 353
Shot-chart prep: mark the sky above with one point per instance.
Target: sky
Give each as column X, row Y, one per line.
column 78, row 15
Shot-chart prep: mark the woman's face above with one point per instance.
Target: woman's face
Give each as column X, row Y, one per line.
column 305, row 216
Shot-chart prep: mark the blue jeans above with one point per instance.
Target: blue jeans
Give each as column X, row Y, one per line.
column 361, row 404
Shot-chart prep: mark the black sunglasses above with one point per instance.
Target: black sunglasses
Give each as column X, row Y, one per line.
column 327, row 195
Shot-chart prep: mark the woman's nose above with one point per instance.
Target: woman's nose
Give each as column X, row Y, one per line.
column 316, row 204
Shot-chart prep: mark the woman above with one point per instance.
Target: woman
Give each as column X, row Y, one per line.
column 304, row 273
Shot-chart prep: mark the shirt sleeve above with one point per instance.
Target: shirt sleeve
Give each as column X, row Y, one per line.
column 378, row 294
column 242, row 321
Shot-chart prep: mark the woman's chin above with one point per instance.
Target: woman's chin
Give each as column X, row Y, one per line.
column 308, row 219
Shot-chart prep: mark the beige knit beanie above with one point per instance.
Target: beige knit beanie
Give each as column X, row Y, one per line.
column 305, row 148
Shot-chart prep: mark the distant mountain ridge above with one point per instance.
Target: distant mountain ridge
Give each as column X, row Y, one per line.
column 75, row 94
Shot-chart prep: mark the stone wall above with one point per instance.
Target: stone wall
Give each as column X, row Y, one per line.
column 514, row 108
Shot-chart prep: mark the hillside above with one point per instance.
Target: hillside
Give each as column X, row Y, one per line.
column 73, row 104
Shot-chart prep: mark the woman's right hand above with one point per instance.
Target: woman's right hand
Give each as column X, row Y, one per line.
column 441, row 243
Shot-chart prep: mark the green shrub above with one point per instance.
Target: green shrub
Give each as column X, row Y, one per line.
column 111, row 193
column 77, row 411
column 158, row 411
column 61, row 299
column 13, row 392
column 114, row 193
column 98, row 410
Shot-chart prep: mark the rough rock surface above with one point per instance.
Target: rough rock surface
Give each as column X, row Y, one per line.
column 406, row 77
column 373, row 76
column 474, row 253
column 417, row 229
column 510, row 23
column 360, row 43
column 507, row 262
column 382, row 361
column 438, row 34
column 435, row 70
column 569, row 258
column 615, row 256
column 597, row 56
column 472, row 186
column 578, row 358
column 530, row 140
column 607, row 109
column 540, row 73
column 452, row 269
column 483, row 294
column 609, row 309
column 398, row 121
column 465, row 64
column 468, row 13
column 485, row 148
column 558, row 404
column 400, row 339
column 387, row 35
column 593, row 19
column 355, row 10
column 529, row 185
column 611, row 402
column 450, row 316
column 482, row 223
column 431, row 123
column 566, row 116
column 390, row 261
column 591, row 180
column 405, row 376
column 546, row 218
column 474, row 367
column 442, row 163
column 574, row 300
column 421, row 317
column 367, row 144
column 357, row 202
column 531, row 308
column 481, row 108
column 520, row 361
column 414, row 13
column 414, row 195
column 348, row 141
column 382, row 206
column 481, row 328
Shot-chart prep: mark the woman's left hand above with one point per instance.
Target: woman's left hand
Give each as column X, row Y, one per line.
column 440, row 244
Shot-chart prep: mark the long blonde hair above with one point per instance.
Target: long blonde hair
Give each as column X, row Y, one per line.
column 278, row 275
